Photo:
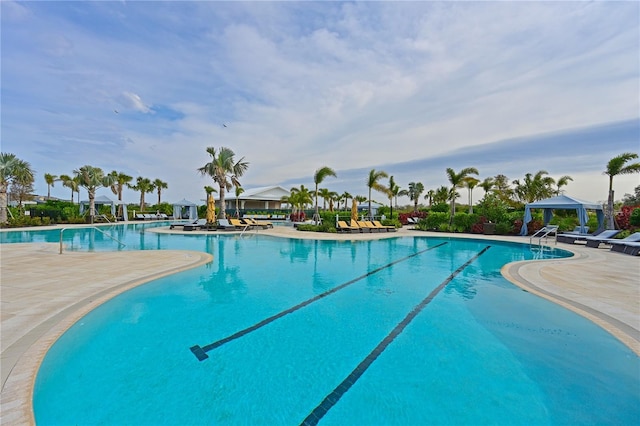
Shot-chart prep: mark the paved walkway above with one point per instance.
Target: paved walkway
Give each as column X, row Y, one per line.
column 44, row 293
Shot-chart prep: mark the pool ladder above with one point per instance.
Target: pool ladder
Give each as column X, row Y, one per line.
column 90, row 227
column 544, row 232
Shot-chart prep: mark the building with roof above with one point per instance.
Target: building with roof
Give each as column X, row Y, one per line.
column 263, row 198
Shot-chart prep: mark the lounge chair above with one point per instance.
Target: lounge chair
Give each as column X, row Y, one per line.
column 139, row 216
column 380, row 226
column 198, row 224
column 633, row 238
column 595, row 241
column 629, row 247
column 181, row 223
column 240, row 225
column 257, row 223
column 573, row 238
column 360, row 224
column 355, row 224
column 373, row 228
column 224, row 225
column 343, row 227
column 578, row 230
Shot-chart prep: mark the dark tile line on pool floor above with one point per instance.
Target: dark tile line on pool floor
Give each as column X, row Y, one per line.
column 330, row 400
column 201, row 351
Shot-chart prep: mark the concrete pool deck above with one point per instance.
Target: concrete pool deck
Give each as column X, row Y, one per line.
column 43, row 293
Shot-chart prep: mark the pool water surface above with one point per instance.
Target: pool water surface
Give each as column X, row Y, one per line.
column 395, row 331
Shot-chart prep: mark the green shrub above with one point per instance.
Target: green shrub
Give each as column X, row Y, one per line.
column 440, row 208
column 504, row 228
column 433, row 221
column 444, row 227
column 493, row 209
column 634, row 219
column 462, row 222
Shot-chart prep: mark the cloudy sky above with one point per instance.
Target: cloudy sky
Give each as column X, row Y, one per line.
column 410, row 88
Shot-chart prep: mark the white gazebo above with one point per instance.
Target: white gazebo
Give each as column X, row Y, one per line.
column 99, row 201
column 184, row 208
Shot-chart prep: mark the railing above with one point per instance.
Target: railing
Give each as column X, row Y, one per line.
column 544, row 232
column 104, row 216
column 90, row 227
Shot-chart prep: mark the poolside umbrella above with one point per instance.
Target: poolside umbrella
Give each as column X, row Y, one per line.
column 354, row 210
column 211, row 209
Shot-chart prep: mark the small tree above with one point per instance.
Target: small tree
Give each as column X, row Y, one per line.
column 372, row 183
column 618, row 166
column 92, row 178
column 50, row 180
column 318, row 177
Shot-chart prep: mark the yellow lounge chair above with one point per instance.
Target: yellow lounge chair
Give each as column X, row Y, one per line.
column 239, row 225
column 380, row 226
column 343, row 227
column 355, row 224
column 365, row 227
column 260, row 223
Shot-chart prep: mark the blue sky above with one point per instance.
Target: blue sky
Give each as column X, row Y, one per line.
column 410, row 88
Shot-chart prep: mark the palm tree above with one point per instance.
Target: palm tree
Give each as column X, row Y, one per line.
column 345, row 196
column 22, row 185
column 562, row 181
column 325, row 194
column 318, row 177
column 457, row 180
column 239, row 190
column 534, row 187
column 392, row 192
column 159, row 186
column 372, row 183
column 50, row 180
column 92, row 178
column 470, row 182
column 487, row 185
column 430, row 195
column 441, row 195
column 224, row 171
column 11, row 168
column 71, row 183
column 119, row 181
column 414, row 192
column 144, row 185
column 298, row 198
column 618, row 166
column 334, row 197
column 502, row 188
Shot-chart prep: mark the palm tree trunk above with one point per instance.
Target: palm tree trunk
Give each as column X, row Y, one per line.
column 610, row 205
column 120, row 202
column 611, row 223
column 223, row 212
column 3, row 203
column 141, row 200
column 92, row 205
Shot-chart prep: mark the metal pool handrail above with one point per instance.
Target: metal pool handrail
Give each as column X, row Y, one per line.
column 90, row 227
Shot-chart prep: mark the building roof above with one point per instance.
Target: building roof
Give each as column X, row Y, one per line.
column 266, row 193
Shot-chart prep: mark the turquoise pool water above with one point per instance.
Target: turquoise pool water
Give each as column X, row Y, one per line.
column 398, row 331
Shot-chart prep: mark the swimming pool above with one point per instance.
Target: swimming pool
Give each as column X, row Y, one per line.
column 397, row 331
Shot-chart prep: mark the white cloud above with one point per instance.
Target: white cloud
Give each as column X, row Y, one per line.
column 133, row 101
column 301, row 85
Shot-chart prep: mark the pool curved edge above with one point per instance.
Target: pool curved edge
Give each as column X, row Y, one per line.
column 18, row 387
column 522, row 273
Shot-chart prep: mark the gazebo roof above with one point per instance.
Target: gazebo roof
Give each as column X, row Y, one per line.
column 564, row 202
